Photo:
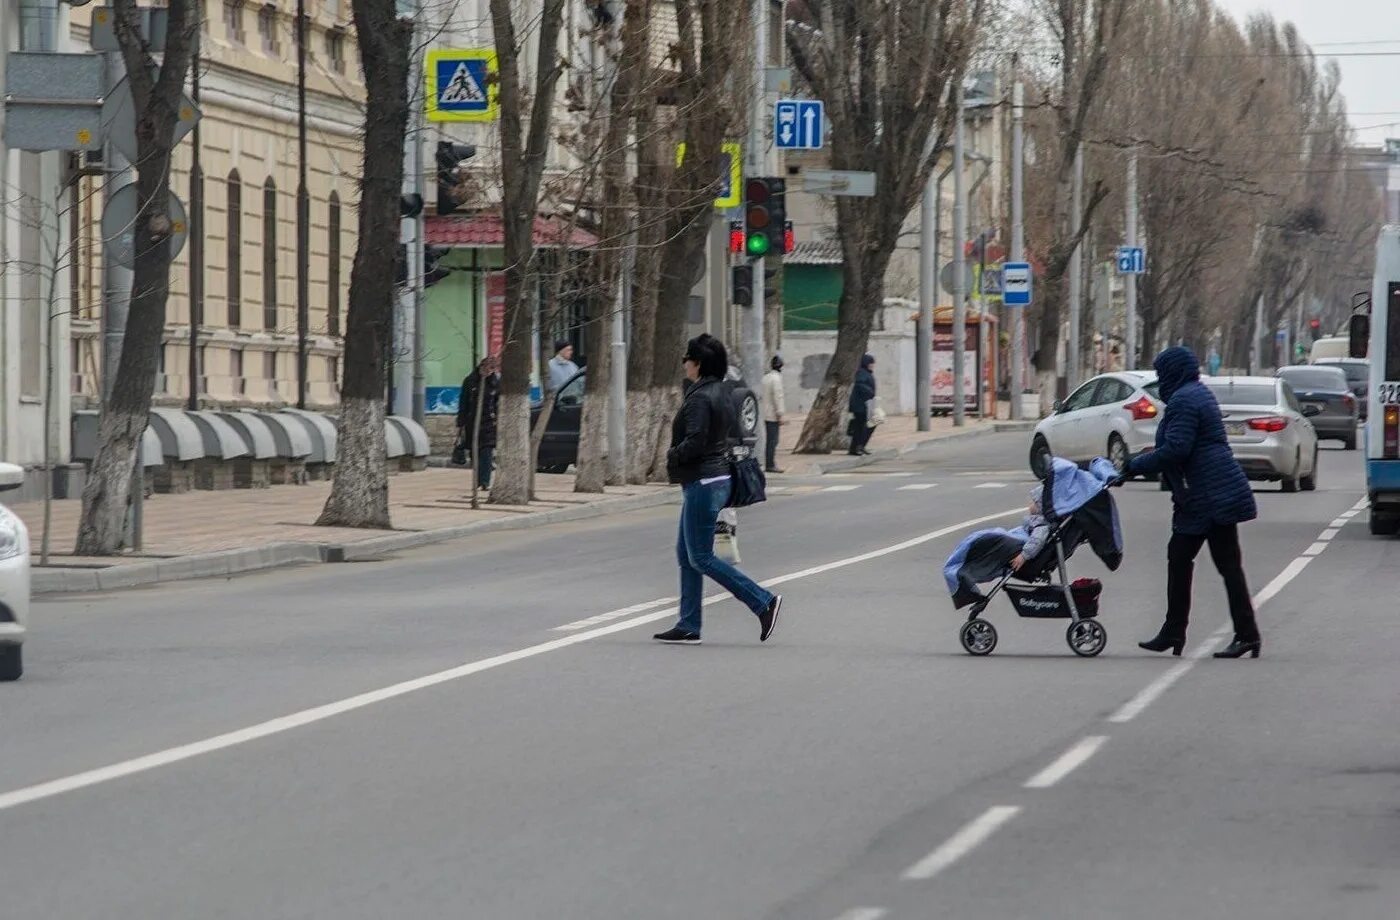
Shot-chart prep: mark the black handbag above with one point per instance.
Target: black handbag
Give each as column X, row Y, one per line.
column 747, row 484
column 459, row 449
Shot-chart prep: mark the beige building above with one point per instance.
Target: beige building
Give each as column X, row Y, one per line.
column 247, row 342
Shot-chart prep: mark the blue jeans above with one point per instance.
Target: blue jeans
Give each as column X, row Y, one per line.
column 695, row 547
column 483, row 469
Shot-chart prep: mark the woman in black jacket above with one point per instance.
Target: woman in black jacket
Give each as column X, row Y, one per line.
column 862, row 391
column 466, row 416
column 699, row 462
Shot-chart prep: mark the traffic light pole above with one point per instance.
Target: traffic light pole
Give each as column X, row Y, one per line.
column 751, row 318
column 1130, row 355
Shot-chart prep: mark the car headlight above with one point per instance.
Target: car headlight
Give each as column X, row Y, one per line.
column 9, row 534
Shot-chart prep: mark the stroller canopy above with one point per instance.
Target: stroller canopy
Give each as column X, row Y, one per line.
column 1079, row 500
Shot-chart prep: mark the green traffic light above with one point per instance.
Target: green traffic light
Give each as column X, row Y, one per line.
column 757, row 244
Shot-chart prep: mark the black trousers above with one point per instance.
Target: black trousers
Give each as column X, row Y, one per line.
column 1224, row 544
column 770, row 430
column 861, row 432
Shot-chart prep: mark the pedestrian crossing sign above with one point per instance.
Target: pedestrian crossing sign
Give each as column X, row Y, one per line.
column 461, row 84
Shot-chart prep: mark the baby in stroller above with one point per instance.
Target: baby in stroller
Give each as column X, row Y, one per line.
column 986, row 555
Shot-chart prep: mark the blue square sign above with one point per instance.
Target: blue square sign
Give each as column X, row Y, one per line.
column 799, row 124
column 1016, row 284
column 461, row 85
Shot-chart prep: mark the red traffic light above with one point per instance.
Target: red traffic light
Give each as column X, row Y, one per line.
column 736, row 236
column 756, row 191
column 1315, row 323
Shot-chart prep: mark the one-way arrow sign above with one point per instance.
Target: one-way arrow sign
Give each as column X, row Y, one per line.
column 799, row 124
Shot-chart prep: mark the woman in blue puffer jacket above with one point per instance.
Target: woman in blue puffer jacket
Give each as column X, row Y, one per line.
column 1211, row 497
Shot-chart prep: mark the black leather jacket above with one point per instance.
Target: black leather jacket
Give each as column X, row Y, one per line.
column 700, row 434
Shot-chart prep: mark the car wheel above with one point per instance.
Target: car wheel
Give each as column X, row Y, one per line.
column 1290, row 483
column 11, row 662
column 1117, row 453
column 748, row 415
column 1309, row 482
column 1040, row 456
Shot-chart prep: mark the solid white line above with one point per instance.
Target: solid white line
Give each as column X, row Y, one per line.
column 917, row 487
column 1281, row 580
column 1328, row 534
column 990, row 485
column 864, row 913
column 1067, row 762
column 1315, row 550
column 285, row 723
column 614, row 614
column 840, row 488
column 963, row 842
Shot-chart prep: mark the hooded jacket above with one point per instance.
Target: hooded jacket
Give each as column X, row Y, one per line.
column 1192, row 453
column 863, row 389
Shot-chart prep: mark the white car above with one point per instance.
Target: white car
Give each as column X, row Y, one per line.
column 1113, row 416
column 14, row 579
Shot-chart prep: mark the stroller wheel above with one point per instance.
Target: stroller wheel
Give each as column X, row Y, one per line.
column 1086, row 638
column 978, row 637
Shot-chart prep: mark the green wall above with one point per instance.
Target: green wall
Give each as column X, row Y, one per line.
column 810, row 297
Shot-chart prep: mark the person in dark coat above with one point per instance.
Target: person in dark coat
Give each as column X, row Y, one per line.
column 1211, row 497
column 862, row 391
column 699, row 462
column 466, row 417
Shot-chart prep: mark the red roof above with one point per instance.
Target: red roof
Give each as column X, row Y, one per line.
column 485, row 231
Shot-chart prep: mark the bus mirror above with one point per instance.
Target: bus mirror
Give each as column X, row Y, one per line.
column 1359, row 334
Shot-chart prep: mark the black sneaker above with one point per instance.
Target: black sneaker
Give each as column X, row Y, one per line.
column 678, row 636
column 768, row 619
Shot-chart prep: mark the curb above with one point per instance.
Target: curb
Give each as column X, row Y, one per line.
column 278, row 555
column 894, row 453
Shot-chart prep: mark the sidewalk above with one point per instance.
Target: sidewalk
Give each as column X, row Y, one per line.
column 897, row 436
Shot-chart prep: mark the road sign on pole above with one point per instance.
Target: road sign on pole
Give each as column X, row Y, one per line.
column 1016, row 284
column 799, row 124
column 461, row 84
column 731, row 171
column 119, row 220
column 119, row 119
column 1132, row 260
column 53, row 101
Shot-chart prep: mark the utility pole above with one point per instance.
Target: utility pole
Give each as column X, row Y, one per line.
column 405, row 337
column 303, row 212
column 1130, row 220
column 959, row 265
column 420, row 293
column 617, row 322
column 751, row 318
column 1076, row 273
column 196, row 231
column 928, row 283
column 1018, row 242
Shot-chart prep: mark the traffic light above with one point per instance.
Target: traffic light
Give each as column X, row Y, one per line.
column 1315, row 327
column 770, row 280
column 410, row 205
column 765, row 217
column 741, row 285
column 450, row 156
column 789, row 238
column 736, row 237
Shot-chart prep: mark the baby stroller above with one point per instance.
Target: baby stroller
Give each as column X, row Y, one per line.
column 1079, row 509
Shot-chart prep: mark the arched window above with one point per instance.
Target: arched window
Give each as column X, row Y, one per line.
column 234, row 267
column 333, row 266
column 270, row 255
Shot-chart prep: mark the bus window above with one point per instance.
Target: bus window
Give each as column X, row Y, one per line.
column 1392, row 340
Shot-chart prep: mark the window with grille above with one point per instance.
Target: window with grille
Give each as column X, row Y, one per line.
column 269, row 255
column 333, row 266
column 234, row 271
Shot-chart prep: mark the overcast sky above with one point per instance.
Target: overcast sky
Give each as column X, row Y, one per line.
column 1371, row 84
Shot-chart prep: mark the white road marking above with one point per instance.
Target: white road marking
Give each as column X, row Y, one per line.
column 963, row 842
column 1339, row 523
column 1067, row 762
column 276, row 726
column 1315, row 550
column 917, row 487
column 840, row 488
column 1361, row 505
column 990, row 485
column 864, row 913
column 1348, row 515
column 1328, row 534
column 614, row 614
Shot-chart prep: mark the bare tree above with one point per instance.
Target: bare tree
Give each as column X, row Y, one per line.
column 525, row 138
column 155, row 93
column 360, row 493
column 885, row 71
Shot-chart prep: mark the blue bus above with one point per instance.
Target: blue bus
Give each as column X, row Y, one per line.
column 1377, row 337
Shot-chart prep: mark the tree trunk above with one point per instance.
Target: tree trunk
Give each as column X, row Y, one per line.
column 123, row 419
column 861, row 298
column 360, row 492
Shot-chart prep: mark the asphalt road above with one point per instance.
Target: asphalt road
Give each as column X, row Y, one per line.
column 484, row 729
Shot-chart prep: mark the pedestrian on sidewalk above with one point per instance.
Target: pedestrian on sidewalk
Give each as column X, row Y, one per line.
column 699, row 462
column 485, row 439
column 773, row 401
column 1211, row 497
column 860, row 407
column 562, row 368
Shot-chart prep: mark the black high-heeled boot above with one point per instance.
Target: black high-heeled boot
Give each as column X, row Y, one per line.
column 1163, row 641
column 1238, row 648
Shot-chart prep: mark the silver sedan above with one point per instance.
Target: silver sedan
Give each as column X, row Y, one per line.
column 1271, row 434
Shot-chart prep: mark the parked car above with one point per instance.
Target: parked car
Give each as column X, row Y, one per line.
column 1325, row 387
column 559, row 445
column 1358, row 371
column 14, row 579
column 1271, row 433
column 1112, row 416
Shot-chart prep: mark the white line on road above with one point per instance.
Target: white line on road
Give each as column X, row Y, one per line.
column 1348, row 515
column 840, row 488
column 963, row 842
column 614, row 614
column 917, row 487
column 864, row 913
column 1067, row 762
column 990, row 485
column 1315, row 550
column 1361, row 505
column 1328, row 534
column 315, row 714
column 1340, row 522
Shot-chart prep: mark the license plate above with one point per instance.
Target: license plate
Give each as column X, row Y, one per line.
column 1235, row 428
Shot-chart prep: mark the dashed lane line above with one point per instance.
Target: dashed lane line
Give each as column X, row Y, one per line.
column 1067, row 763
column 864, row 913
column 918, row 487
column 840, row 488
column 967, row 839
